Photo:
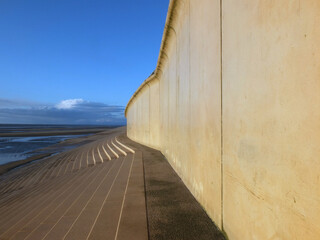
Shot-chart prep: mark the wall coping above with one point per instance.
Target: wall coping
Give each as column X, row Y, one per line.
column 162, row 54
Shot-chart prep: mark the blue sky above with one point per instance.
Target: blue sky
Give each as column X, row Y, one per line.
column 89, row 53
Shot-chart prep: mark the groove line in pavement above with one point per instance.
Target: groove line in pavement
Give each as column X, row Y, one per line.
column 62, row 164
column 64, row 161
column 44, row 170
column 38, row 173
column 34, row 189
column 67, row 163
column 82, row 210
column 16, row 180
column 106, row 175
column 75, row 161
column 26, row 211
column 47, row 186
column 105, row 199
column 7, row 208
column 57, row 195
column 42, row 202
column 124, row 197
column 71, row 195
column 20, row 177
column 72, row 162
column 87, row 154
column 57, row 164
column 17, row 176
column 23, row 201
column 101, row 170
column 52, row 167
column 84, row 157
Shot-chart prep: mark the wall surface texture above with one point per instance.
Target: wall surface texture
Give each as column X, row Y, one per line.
column 234, row 105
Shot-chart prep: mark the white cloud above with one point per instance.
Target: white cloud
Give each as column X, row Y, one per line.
column 70, row 111
column 69, row 103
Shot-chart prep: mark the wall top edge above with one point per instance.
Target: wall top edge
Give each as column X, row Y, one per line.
column 169, row 19
column 145, row 82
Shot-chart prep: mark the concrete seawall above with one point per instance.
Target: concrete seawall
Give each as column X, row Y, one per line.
column 234, row 105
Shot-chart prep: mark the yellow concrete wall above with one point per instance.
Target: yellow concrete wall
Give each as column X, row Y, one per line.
column 184, row 99
column 245, row 140
column 271, row 119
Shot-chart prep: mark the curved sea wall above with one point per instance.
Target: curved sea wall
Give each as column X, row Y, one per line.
column 234, row 105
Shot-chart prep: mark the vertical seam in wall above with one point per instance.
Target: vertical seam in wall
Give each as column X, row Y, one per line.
column 221, row 113
column 177, row 83
column 177, row 88
column 189, row 103
column 149, row 112
column 168, row 142
column 159, row 115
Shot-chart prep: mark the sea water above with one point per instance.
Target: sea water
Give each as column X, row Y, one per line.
column 20, row 148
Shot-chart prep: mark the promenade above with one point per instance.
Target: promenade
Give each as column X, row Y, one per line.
column 107, row 188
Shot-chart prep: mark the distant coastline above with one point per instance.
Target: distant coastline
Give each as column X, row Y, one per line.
column 32, row 130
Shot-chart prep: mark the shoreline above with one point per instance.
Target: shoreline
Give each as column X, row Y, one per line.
column 4, row 168
column 53, row 132
column 42, row 153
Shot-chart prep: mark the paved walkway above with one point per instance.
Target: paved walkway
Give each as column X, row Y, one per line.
column 99, row 191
